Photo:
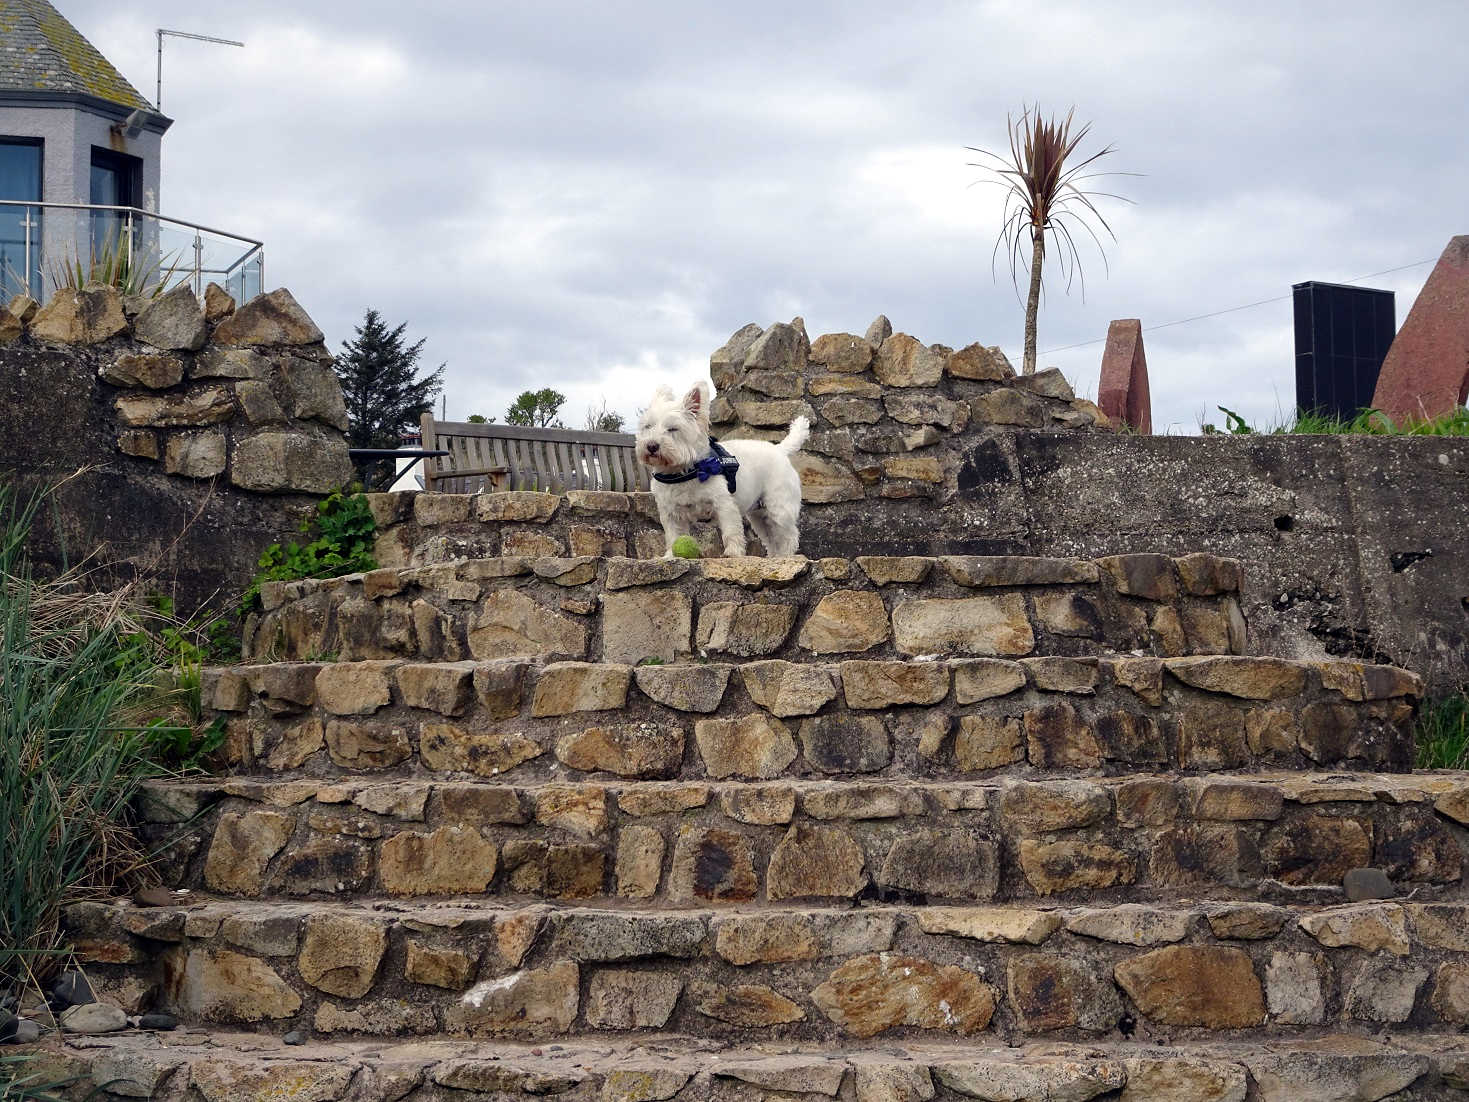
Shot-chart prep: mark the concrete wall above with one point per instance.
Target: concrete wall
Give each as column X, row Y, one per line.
column 1354, row 545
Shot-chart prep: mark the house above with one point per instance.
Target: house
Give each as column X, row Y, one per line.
column 80, row 170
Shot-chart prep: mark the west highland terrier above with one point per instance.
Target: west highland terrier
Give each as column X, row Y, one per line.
column 693, row 474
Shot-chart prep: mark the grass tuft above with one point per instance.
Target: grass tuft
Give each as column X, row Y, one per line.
column 80, row 698
column 1369, row 422
column 1442, row 733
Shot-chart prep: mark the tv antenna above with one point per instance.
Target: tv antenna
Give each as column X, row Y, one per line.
column 158, row 97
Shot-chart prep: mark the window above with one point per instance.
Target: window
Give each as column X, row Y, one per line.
column 20, row 227
column 117, row 181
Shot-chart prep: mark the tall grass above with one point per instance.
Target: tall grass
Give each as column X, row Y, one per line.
column 1442, row 733
column 75, row 684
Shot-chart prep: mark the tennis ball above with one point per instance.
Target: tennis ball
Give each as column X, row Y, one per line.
column 685, row 548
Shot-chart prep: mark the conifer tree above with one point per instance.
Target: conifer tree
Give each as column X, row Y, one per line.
column 384, row 396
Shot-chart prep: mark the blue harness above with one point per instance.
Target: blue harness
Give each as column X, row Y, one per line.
column 718, row 462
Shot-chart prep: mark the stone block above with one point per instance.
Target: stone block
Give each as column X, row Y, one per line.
column 1052, row 867
column 846, row 743
column 644, row 750
column 755, row 746
column 626, row 999
column 685, row 688
column 947, row 864
column 533, row 1002
column 145, row 369
column 815, row 861
column 987, row 742
column 564, row 688
column 989, row 626
column 879, row 991
column 844, row 622
column 842, row 352
column 745, row 630
column 340, row 954
column 448, row 861
column 903, row 362
column 713, row 865
column 646, row 623
column 445, row 747
column 788, row 688
column 1212, row 987
column 195, row 454
column 887, row 684
column 1049, row 992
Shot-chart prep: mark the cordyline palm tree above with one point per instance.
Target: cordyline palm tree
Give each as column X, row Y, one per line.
column 1042, row 197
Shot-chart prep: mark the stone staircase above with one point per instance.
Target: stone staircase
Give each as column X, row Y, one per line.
column 879, row 830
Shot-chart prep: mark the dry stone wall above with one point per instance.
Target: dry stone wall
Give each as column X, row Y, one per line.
column 889, row 415
column 203, row 431
column 628, row 610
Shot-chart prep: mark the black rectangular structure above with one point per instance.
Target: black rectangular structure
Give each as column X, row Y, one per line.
column 1342, row 335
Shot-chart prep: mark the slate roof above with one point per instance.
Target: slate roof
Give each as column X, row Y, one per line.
column 41, row 52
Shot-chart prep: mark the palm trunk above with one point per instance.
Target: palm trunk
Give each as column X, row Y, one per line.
column 1033, row 303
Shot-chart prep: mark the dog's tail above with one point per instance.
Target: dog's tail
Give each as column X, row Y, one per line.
column 800, row 429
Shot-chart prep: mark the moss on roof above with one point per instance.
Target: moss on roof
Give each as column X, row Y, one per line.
column 41, row 52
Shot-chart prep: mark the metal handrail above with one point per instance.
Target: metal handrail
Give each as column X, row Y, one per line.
column 255, row 252
column 131, row 210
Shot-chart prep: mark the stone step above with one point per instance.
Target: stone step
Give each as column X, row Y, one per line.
column 629, row 610
column 464, row 968
column 687, row 844
column 773, row 718
column 226, row 1067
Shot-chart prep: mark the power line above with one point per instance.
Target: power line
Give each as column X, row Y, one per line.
column 1234, row 309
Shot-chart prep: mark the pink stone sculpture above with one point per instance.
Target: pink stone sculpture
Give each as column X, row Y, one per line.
column 1426, row 372
column 1123, row 390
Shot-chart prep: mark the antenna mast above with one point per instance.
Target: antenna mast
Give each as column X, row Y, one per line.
column 158, row 97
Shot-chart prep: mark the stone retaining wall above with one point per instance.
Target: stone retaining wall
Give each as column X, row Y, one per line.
column 628, row 610
column 950, row 972
column 685, row 844
column 873, row 720
column 203, row 432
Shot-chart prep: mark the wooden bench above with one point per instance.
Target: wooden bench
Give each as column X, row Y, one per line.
column 512, row 457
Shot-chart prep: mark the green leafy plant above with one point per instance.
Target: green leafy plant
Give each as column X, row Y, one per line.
column 1441, row 732
column 343, row 545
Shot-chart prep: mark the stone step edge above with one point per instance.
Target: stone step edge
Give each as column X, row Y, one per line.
column 1375, row 925
column 1446, row 789
column 561, row 688
column 167, row 1067
column 1152, row 576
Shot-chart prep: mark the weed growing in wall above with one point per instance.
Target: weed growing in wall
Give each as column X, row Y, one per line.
column 343, row 545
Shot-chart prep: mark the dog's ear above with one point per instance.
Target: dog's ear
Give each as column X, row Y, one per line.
column 663, row 394
column 696, row 401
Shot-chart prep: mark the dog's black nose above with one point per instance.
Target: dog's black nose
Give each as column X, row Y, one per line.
column 652, row 449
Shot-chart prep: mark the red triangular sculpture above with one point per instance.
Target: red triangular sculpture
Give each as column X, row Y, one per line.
column 1426, row 372
column 1123, row 390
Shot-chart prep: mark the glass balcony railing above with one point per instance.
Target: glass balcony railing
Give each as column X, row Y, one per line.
column 44, row 246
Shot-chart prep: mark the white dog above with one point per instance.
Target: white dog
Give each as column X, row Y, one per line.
column 742, row 478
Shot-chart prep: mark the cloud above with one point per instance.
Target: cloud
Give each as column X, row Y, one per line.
column 594, row 196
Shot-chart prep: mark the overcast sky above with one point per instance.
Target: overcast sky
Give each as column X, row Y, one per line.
column 594, row 196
